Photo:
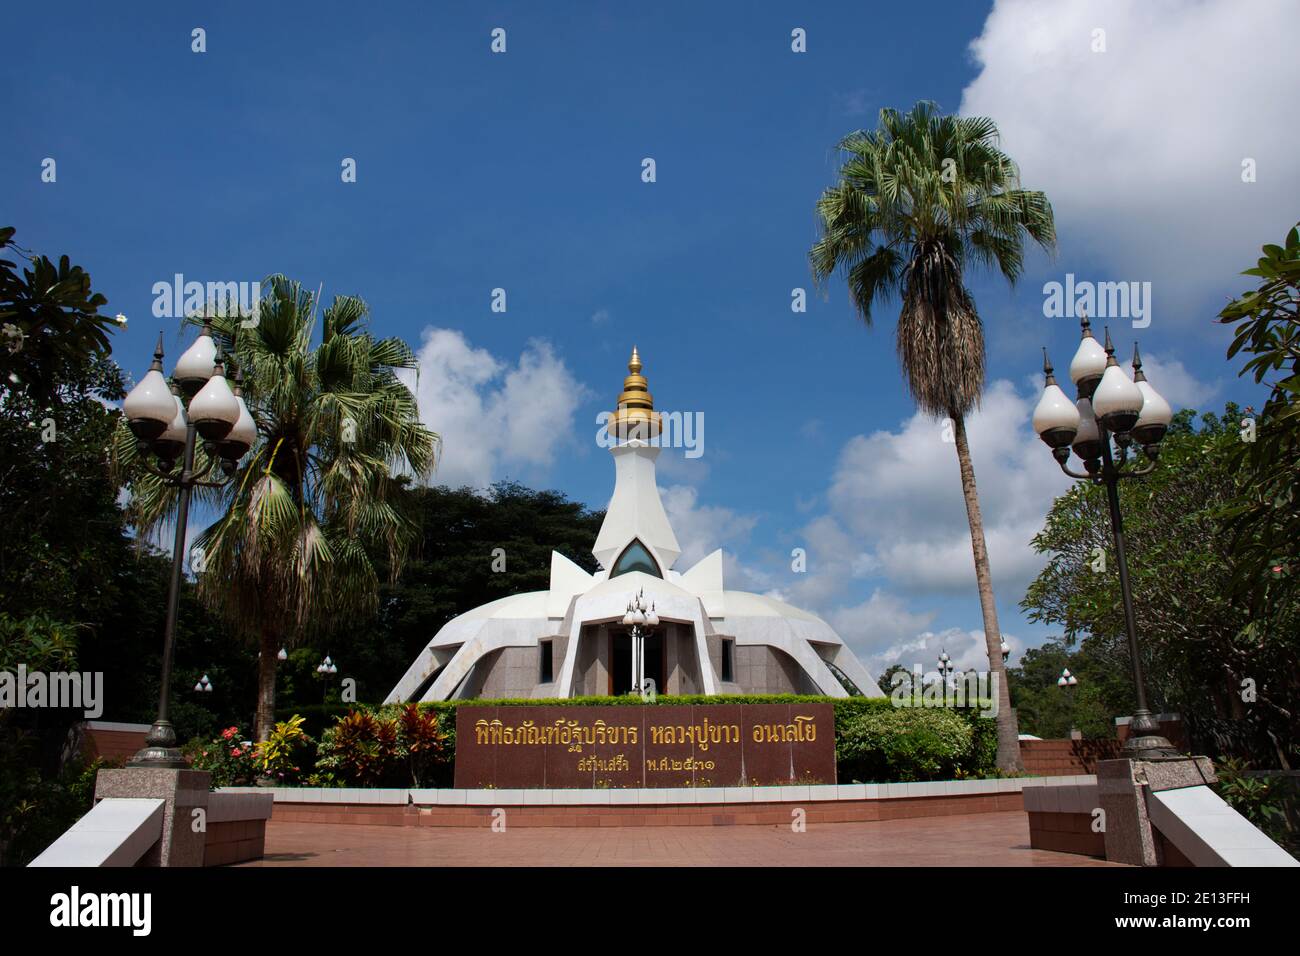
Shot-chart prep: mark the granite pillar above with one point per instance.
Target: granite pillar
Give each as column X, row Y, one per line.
column 1122, row 789
column 183, row 792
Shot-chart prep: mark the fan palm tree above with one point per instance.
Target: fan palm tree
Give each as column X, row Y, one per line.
column 320, row 499
column 919, row 200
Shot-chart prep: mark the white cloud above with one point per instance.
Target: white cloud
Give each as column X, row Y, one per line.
column 1140, row 148
column 1178, row 386
column 895, row 514
column 493, row 415
column 876, row 627
column 702, row 529
column 897, row 496
column 673, row 463
column 966, row 649
column 600, row 317
column 854, row 102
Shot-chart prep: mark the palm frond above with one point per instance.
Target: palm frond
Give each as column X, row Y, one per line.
column 917, row 200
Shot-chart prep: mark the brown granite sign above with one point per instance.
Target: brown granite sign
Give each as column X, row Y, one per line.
column 647, row 745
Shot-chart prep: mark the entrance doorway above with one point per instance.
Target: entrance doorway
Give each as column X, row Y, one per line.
column 620, row 662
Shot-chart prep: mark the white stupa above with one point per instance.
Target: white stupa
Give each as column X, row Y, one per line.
column 570, row 640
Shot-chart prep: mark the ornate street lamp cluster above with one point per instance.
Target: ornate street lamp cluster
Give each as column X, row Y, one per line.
column 167, row 419
column 1110, row 408
column 642, row 620
column 946, row 667
column 326, row 669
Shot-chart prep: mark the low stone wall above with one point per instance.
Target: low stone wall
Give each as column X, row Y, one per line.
column 1061, row 816
column 853, row 803
column 645, row 816
column 1052, row 758
column 114, row 742
column 1066, row 833
column 236, row 827
column 234, row 842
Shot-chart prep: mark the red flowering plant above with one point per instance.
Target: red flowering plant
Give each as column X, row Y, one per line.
column 421, row 741
column 358, row 749
column 228, row 757
column 382, row 749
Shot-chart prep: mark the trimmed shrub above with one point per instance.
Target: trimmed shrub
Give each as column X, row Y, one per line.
column 904, row 744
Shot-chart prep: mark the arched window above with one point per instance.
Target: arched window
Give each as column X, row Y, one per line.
column 635, row 557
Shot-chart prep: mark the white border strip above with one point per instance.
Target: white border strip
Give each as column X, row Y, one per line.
column 648, row 796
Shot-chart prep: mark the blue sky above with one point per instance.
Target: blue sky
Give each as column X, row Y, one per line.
column 522, row 171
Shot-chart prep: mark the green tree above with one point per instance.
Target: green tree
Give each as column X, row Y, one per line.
column 1207, row 653
column 459, row 566
column 1048, row 710
column 453, row 568
column 49, row 321
column 1265, row 517
column 919, row 200
column 62, row 527
column 886, row 681
column 322, row 498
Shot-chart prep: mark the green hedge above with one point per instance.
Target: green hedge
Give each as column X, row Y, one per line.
column 874, row 740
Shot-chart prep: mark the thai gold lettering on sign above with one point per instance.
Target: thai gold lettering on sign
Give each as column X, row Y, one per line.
column 639, row 745
column 615, row 764
column 701, row 735
column 669, row 763
column 565, row 733
column 803, row 729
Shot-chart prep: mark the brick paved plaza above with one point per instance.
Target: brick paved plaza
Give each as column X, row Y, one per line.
column 982, row 839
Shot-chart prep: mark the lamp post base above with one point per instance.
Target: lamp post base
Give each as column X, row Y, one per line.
column 1145, row 742
column 160, row 751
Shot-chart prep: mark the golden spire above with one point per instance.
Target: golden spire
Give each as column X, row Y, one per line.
column 635, row 416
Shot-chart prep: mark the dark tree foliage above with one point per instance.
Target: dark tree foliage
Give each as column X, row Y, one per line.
column 456, row 568
column 1265, row 518
column 49, row 320
column 1050, row 711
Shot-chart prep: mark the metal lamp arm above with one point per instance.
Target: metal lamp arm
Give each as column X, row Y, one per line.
column 1139, row 472
column 1074, row 474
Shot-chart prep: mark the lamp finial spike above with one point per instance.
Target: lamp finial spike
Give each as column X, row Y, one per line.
column 1138, row 374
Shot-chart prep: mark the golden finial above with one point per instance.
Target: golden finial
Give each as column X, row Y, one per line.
column 635, row 416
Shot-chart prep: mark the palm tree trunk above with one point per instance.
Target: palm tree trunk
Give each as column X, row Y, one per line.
column 1008, row 729
column 266, row 664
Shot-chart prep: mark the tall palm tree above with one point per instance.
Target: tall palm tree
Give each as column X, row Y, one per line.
column 918, row 200
column 320, row 499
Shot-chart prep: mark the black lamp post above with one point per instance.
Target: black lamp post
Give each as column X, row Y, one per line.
column 169, row 428
column 1128, row 412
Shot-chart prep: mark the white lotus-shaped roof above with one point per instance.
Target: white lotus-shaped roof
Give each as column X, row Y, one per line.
column 635, row 539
